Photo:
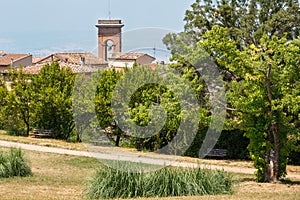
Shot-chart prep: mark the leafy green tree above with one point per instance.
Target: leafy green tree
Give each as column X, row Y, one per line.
column 103, row 96
column 235, row 34
column 53, row 89
column 84, row 106
column 3, row 102
column 155, row 107
column 265, row 96
column 18, row 109
column 246, row 20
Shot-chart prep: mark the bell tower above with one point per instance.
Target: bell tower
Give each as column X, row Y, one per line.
column 109, row 38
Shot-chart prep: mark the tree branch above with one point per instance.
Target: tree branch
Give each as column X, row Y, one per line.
column 268, row 83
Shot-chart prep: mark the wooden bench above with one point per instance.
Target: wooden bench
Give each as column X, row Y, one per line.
column 42, row 133
column 217, row 153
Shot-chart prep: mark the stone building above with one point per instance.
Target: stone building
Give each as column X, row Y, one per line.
column 109, row 38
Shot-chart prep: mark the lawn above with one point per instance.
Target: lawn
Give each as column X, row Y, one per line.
column 54, row 177
column 64, row 177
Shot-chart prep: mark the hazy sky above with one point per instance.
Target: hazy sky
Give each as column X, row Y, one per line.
column 42, row 26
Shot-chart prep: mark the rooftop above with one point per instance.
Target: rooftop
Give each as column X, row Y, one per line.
column 2, row 52
column 110, row 23
column 78, row 62
column 73, row 58
column 6, row 59
column 76, row 68
column 114, row 21
column 129, row 56
column 36, row 59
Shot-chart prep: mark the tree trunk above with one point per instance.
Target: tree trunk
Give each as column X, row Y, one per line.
column 275, row 159
column 273, row 156
column 26, row 121
column 27, row 128
column 118, row 131
column 118, row 140
column 267, row 171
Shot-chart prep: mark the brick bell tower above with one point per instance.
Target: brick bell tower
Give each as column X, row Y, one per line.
column 109, row 38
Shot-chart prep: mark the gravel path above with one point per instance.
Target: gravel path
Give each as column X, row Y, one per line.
column 114, row 153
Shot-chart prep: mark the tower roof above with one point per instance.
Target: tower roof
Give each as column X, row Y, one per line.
column 110, row 23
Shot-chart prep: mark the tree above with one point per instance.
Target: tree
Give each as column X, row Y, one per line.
column 265, row 96
column 84, row 105
column 53, row 89
column 18, row 109
column 3, row 102
column 159, row 108
column 247, row 21
column 103, row 96
column 235, row 34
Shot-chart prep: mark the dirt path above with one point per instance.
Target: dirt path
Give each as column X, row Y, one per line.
column 114, row 153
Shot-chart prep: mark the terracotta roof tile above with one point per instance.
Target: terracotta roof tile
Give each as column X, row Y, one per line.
column 76, row 68
column 129, row 56
column 73, row 58
column 7, row 58
column 36, row 59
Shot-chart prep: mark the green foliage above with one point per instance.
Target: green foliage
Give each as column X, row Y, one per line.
column 246, row 20
column 103, row 97
column 253, row 43
column 265, row 93
column 17, row 106
column 233, row 141
column 52, row 91
column 3, row 102
column 141, row 103
column 13, row 163
column 294, row 149
column 38, row 101
column 110, row 183
column 105, row 88
column 156, row 106
column 236, row 144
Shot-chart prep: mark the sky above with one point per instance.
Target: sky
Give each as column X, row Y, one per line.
column 42, row 27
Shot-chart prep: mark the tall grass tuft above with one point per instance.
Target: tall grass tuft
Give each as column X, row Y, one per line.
column 13, row 163
column 111, row 183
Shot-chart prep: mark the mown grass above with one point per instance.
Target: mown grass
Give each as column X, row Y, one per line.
column 13, row 163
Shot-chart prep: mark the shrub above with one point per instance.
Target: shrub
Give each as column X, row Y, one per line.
column 233, row 141
column 111, row 183
column 13, row 163
column 15, row 131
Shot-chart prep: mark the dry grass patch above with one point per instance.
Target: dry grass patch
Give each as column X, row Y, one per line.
column 42, row 141
column 294, row 169
column 229, row 163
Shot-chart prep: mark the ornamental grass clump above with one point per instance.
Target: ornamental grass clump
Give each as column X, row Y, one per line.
column 13, row 163
column 108, row 183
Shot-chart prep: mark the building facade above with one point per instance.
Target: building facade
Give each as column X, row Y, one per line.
column 109, row 38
